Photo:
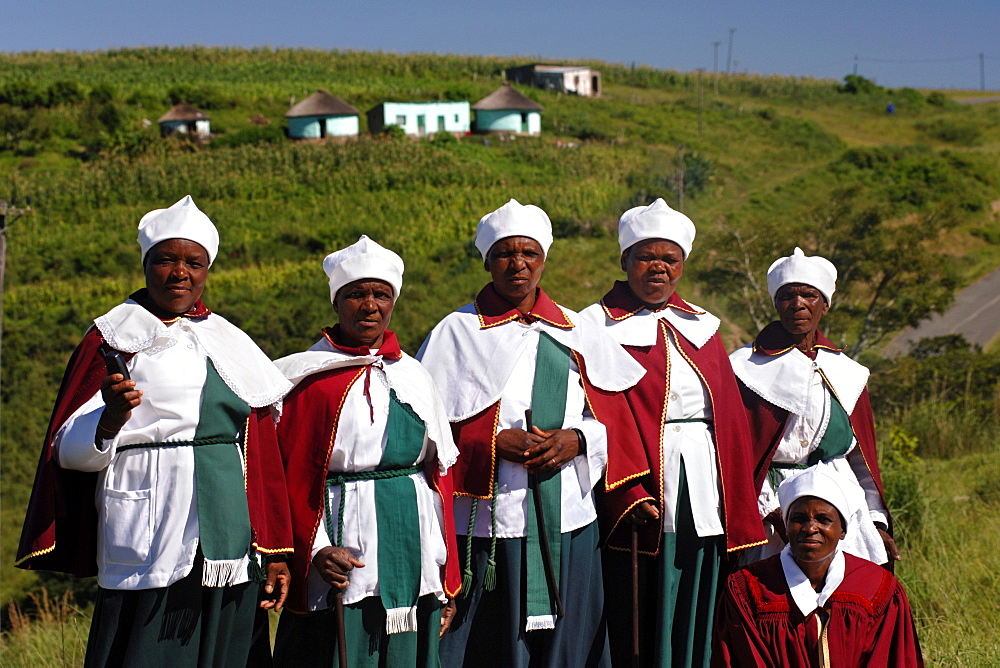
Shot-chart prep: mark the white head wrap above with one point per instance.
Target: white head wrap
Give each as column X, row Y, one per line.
column 799, row 268
column 183, row 220
column 655, row 221
column 842, row 493
column 514, row 219
column 363, row 259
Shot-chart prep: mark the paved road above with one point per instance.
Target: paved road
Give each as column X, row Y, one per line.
column 977, row 100
column 975, row 315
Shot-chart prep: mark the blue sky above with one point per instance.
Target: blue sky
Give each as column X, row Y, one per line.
column 918, row 43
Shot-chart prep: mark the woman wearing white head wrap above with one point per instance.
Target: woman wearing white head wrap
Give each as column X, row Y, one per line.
column 814, row 604
column 370, row 502
column 532, row 586
column 688, row 492
column 180, row 455
column 808, row 404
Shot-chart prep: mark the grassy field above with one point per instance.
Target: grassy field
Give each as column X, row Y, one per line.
column 771, row 162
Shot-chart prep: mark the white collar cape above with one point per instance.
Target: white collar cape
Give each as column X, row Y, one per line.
column 471, row 364
column 806, row 598
column 406, row 376
column 241, row 364
column 640, row 328
column 783, row 379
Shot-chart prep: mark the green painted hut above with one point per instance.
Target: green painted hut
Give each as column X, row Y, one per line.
column 507, row 110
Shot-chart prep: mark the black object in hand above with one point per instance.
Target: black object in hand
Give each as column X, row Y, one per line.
column 114, row 362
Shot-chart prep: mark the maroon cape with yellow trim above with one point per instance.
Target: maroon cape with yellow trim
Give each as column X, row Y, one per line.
column 647, row 403
column 307, row 432
column 767, row 421
column 870, row 622
column 476, row 436
column 60, row 527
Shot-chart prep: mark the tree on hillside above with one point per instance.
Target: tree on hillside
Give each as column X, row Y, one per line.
column 891, row 272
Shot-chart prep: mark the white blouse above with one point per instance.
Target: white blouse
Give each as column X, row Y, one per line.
column 359, row 446
column 577, row 477
column 148, row 518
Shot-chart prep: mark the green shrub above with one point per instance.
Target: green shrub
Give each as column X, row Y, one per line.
column 21, row 93
column 64, row 92
column 953, row 132
column 258, row 134
column 855, row 84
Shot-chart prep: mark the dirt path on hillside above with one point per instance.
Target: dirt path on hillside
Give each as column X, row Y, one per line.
column 975, row 315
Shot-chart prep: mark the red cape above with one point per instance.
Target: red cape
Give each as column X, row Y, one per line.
column 647, row 403
column 476, row 436
column 60, row 527
column 307, row 432
column 767, row 421
column 758, row 623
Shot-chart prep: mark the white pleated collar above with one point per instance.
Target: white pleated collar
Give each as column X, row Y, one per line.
column 241, row 364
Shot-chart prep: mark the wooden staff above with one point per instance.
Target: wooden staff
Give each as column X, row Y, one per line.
column 338, row 605
column 543, row 537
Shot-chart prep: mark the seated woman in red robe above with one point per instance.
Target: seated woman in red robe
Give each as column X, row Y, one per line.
column 813, row 604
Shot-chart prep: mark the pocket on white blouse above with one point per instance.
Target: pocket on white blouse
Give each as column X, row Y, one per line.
column 128, row 530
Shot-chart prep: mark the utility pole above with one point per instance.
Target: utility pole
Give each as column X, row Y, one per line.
column 982, row 71
column 8, row 213
column 701, row 103
column 729, row 54
column 715, row 68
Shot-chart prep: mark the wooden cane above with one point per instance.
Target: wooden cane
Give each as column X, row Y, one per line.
column 635, row 595
column 543, row 536
column 341, row 629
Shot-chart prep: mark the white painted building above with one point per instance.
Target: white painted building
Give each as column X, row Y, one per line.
column 421, row 118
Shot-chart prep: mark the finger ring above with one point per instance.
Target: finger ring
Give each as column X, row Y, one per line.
column 553, row 460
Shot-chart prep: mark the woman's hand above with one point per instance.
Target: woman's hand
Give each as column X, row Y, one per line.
column 511, row 444
column 276, row 585
column 644, row 512
column 890, row 545
column 551, row 450
column 447, row 615
column 334, row 564
column 120, row 397
column 775, row 520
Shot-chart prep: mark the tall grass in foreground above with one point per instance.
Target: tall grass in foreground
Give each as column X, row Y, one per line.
column 53, row 634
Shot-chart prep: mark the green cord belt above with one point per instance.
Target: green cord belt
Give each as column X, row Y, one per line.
column 338, row 479
column 215, row 440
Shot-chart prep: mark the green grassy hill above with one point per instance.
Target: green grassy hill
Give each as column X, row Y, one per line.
column 769, row 163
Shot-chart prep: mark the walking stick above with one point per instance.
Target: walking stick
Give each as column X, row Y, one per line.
column 543, row 536
column 341, row 630
column 635, row 595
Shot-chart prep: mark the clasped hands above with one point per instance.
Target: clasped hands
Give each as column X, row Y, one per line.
column 537, row 450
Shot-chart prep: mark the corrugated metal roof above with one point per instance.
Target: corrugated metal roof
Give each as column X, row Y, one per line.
column 183, row 112
column 321, row 103
column 507, row 97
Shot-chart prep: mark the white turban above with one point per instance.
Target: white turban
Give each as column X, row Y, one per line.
column 183, row 220
column 514, row 219
column 824, row 483
column 798, row 268
column 655, row 221
column 363, row 259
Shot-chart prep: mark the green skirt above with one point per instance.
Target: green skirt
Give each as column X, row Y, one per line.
column 678, row 591
column 184, row 624
column 311, row 640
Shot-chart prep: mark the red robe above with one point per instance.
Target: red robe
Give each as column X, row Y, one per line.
column 476, row 436
column 767, row 421
column 647, row 402
column 870, row 623
column 307, row 432
column 60, row 527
